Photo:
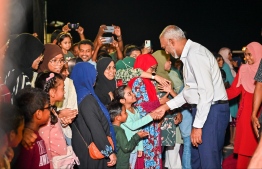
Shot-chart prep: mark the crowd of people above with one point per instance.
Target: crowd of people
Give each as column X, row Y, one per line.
column 102, row 104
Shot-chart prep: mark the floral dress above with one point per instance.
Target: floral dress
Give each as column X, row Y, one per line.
column 152, row 144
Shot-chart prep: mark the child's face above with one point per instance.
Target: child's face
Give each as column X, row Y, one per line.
column 220, row 62
column 66, row 43
column 135, row 53
column 59, row 93
column 65, row 71
column 129, row 95
column 123, row 115
column 16, row 137
column 76, row 51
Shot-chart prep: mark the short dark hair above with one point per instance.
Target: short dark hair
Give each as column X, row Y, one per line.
column 29, row 100
column 10, row 117
column 86, row 42
column 129, row 49
column 114, row 110
column 54, row 34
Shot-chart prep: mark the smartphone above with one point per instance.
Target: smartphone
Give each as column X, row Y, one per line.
column 147, row 43
column 107, row 40
column 73, row 25
column 109, row 29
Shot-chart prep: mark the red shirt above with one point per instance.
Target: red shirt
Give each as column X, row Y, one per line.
column 34, row 158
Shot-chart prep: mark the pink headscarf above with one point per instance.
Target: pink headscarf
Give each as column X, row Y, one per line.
column 247, row 72
column 224, row 53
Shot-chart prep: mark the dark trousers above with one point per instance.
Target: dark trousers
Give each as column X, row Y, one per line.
column 208, row 154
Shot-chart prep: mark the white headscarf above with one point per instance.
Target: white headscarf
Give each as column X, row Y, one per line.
column 224, row 52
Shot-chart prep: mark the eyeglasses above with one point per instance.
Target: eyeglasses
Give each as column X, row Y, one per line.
column 48, row 108
column 153, row 68
column 57, row 62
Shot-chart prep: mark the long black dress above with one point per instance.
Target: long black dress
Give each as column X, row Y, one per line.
column 93, row 126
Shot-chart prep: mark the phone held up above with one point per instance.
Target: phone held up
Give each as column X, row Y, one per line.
column 109, row 29
column 147, row 43
column 73, row 25
column 107, row 40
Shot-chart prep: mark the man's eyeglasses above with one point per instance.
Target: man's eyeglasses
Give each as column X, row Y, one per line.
column 57, row 62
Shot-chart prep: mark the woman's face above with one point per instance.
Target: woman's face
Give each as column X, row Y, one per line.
column 66, row 43
column 220, row 62
column 230, row 56
column 249, row 57
column 110, row 71
column 168, row 65
column 56, row 64
column 152, row 69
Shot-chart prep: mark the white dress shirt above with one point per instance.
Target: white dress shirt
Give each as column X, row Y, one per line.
column 202, row 79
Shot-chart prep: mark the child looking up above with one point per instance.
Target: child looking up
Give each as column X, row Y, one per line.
column 124, row 147
column 124, row 95
column 35, row 107
column 56, row 135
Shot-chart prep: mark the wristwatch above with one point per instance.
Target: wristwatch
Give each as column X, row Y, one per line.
column 153, row 76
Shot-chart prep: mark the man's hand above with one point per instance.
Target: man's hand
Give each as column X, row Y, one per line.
column 160, row 111
column 101, row 30
column 196, row 136
column 256, row 125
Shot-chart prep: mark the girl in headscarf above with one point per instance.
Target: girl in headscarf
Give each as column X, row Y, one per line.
column 93, row 121
column 173, row 143
column 147, row 100
column 244, row 84
column 227, row 56
column 23, row 55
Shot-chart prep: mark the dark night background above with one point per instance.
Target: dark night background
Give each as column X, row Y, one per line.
column 213, row 23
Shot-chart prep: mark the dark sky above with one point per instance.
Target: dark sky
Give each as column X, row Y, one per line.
column 212, row 23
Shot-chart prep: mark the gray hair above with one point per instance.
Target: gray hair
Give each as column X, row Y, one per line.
column 172, row 32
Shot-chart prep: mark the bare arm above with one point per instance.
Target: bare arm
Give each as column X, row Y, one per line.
column 257, row 99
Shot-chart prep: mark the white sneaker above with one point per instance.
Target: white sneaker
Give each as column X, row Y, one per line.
column 230, row 146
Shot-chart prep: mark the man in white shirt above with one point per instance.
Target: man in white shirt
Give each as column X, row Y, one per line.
column 204, row 91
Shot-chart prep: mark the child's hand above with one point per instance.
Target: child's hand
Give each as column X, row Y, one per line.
column 164, row 99
column 142, row 134
column 139, row 153
column 29, row 138
column 9, row 153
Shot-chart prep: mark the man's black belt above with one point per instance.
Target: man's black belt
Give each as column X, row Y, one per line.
column 214, row 102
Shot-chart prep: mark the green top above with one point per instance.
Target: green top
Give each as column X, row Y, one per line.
column 132, row 125
column 124, row 147
column 68, row 56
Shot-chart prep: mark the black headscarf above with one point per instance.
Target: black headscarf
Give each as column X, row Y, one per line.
column 21, row 53
column 103, row 85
